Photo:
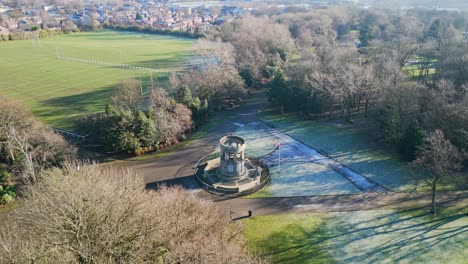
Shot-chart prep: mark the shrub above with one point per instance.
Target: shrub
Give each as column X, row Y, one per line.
column 139, row 151
column 7, row 194
column 6, row 198
column 5, row 176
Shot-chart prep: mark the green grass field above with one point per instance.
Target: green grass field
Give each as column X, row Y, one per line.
column 379, row 236
column 60, row 91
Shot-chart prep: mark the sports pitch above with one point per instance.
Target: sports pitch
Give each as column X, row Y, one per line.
column 59, row 91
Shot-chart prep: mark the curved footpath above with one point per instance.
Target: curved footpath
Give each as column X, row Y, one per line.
column 176, row 168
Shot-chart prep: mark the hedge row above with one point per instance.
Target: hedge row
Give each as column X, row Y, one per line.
column 26, row 35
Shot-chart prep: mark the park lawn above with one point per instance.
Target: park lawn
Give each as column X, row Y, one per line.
column 259, row 141
column 288, row 238
column 413, row 70
column 389, row 236
column 305, row 179
column 61, row 91
column 379, row 236
column 296, row 178
column 353, row 149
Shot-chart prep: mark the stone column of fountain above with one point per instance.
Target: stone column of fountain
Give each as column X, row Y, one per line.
column 231, row 173
column 232, row 158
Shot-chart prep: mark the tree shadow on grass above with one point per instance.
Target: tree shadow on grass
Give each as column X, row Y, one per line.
column 295, row 244
column 69, row 108
column 408, row 241
column 173, row 59
column 388, row 237
column 65, row 110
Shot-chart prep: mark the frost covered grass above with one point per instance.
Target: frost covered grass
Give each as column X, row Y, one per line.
column 351, row 148
column 380, row 236
column 303, row 179
column 385, row 236
column 295, row 176
column 259, row 141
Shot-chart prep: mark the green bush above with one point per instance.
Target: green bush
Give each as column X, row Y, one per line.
column 7, row 194
column 6, row 198
column 4, row 176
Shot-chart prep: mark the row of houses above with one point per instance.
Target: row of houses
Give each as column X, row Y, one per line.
column 142, row 12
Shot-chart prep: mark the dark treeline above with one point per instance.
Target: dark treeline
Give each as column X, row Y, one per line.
column 151, row 30
column 25, row 35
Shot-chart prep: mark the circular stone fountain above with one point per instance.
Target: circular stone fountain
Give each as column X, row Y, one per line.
column 229, row 171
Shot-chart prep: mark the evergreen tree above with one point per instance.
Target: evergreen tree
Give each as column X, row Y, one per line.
column 434, row 29
column 146, row 130
column 279, row 90
column 412, row 140
column 184, row 95
column 365, row 35
column 389, row 123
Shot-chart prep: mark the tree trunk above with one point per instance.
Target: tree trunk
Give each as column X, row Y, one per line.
column 433, row 204
column 366, row 108
column 359, row 104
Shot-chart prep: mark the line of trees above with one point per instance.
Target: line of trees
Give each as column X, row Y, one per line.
column 25, row 35
column 150, row 30
column 137, row 124
column 239, row 55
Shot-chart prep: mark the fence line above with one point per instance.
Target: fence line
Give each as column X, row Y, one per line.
column 67, row 133
column 110, row 64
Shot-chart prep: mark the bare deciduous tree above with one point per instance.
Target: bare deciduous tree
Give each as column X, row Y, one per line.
column 26, row 145
column 91, row 214
column 128, row 94
column 439, row 159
